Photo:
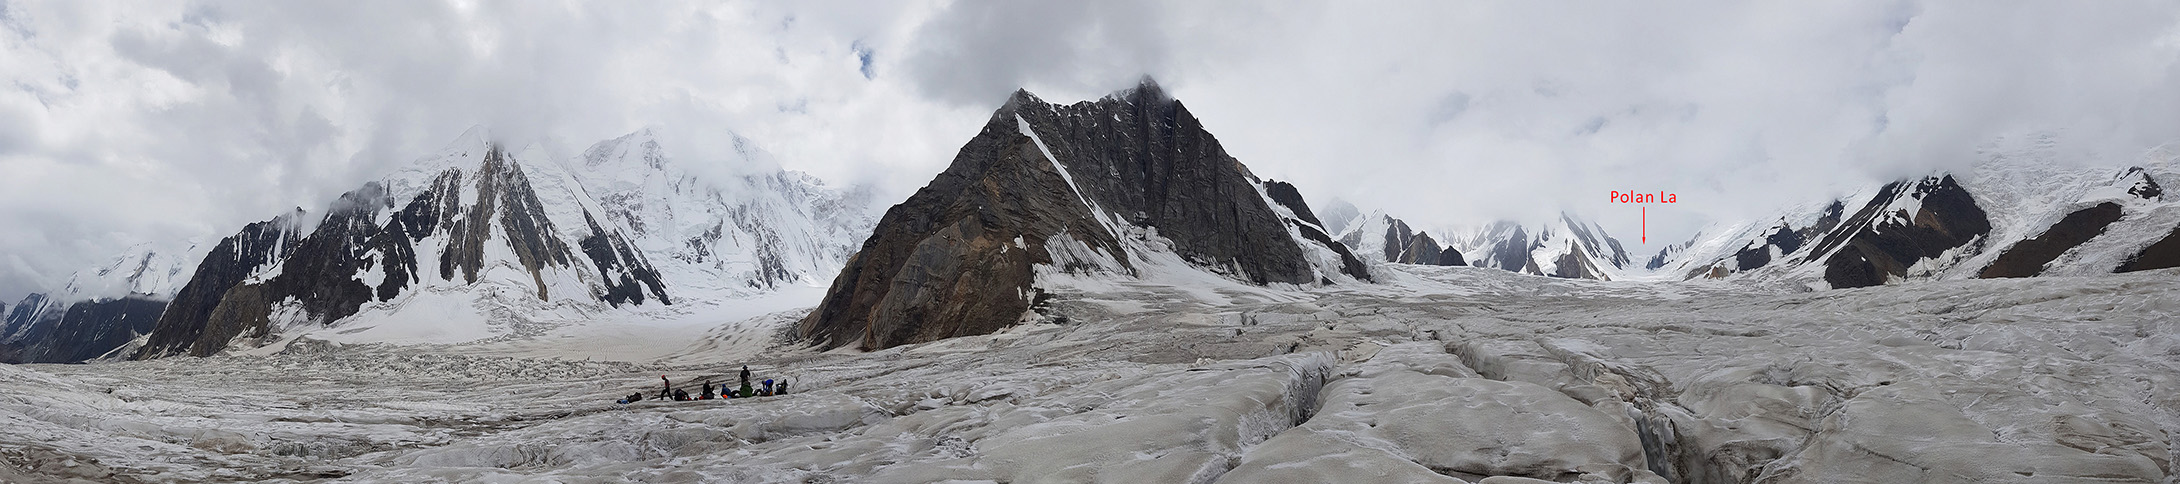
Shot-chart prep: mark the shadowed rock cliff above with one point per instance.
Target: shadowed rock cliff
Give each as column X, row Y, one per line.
column 1071, row 187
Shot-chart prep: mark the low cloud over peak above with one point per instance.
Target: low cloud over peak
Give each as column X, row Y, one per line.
column 122, row 125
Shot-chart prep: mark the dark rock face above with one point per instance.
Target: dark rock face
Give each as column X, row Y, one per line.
column 1666, row 255
column 1421, row 250
column 1785, row 239
column 2165, row 253
column 625, row 272
column 1140, row 154
column 1607, row 248
column 1402, row 244
column 1397, row 236
column 2143, row 186
column 43, row 332
column 1307, row 223
column 234, row 259
column 1286, row 195
column 1575, row 264
column 1754, row 255
column 1871, row 249
column 1451, row 257
column 1406, row 246
column 2028, row 257
column 91, row 329
column 319, row 270
column 957, row 257
column 1513, row 253
column 26, row 325
column 503, row 191
column 945, row 262
column 24, row 316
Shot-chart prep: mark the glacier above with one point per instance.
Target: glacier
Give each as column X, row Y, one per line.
column 1436, row 374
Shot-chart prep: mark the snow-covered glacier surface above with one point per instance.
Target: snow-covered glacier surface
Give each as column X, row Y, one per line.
column 1441, row 374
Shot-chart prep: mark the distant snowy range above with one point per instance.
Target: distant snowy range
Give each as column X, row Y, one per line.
column 1098, row 292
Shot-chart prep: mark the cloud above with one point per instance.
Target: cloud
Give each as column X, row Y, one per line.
column 973, row 52
column 1458, row 113
column 170, row 121
column 129, row 124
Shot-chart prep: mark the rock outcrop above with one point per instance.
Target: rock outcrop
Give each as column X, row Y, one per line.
column 1570, row 247
column 271, row 275
column 1311, row 228
column 2163, row 254
column 44, row 330
column 1904, row 224
column 2012, row 216
column 507, row 240
column 1083, row 188
column 1421, row 250
column 1784, row 238
column 1382, row 235
column 258, row 245
column 2027, row 258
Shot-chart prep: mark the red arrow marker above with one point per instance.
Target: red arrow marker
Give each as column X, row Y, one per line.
column 1646, row 225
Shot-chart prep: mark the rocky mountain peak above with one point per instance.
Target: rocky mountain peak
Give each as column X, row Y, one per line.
column 473, row 239
column 1091, row 187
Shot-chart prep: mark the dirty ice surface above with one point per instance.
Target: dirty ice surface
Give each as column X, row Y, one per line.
column 1443, row 374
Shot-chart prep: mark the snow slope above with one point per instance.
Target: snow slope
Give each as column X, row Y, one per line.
column 479, row 243
column 2023, row 186
column 742, row 235
column 145, row 269
column 1440, row 374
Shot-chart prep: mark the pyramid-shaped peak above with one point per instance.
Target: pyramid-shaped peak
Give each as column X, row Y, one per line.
column 1021, row 97
column 1146, row 91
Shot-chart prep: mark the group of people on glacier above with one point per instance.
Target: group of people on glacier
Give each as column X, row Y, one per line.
column 748, row 390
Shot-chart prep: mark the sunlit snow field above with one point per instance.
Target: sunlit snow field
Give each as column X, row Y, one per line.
column 1439, row 374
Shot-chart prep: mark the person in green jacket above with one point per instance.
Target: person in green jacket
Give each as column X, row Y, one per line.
column 746, row 391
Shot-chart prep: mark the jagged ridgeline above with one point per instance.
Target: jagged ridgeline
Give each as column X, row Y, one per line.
column 367, row 248
column 484, row 238
column 1109, row 186
column 2007, row 218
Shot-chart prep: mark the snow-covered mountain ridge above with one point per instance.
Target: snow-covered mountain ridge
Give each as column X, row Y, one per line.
column 473, row 242
column 2020, row 212
column 1568, row 247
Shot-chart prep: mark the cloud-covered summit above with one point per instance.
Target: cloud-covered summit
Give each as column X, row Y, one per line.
column 127, row 124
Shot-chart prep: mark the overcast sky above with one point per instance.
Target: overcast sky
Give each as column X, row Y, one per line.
column 160, row 122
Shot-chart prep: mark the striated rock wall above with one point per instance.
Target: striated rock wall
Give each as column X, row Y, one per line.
column 234, row 259
column 270, row 268
column 1060, row 185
